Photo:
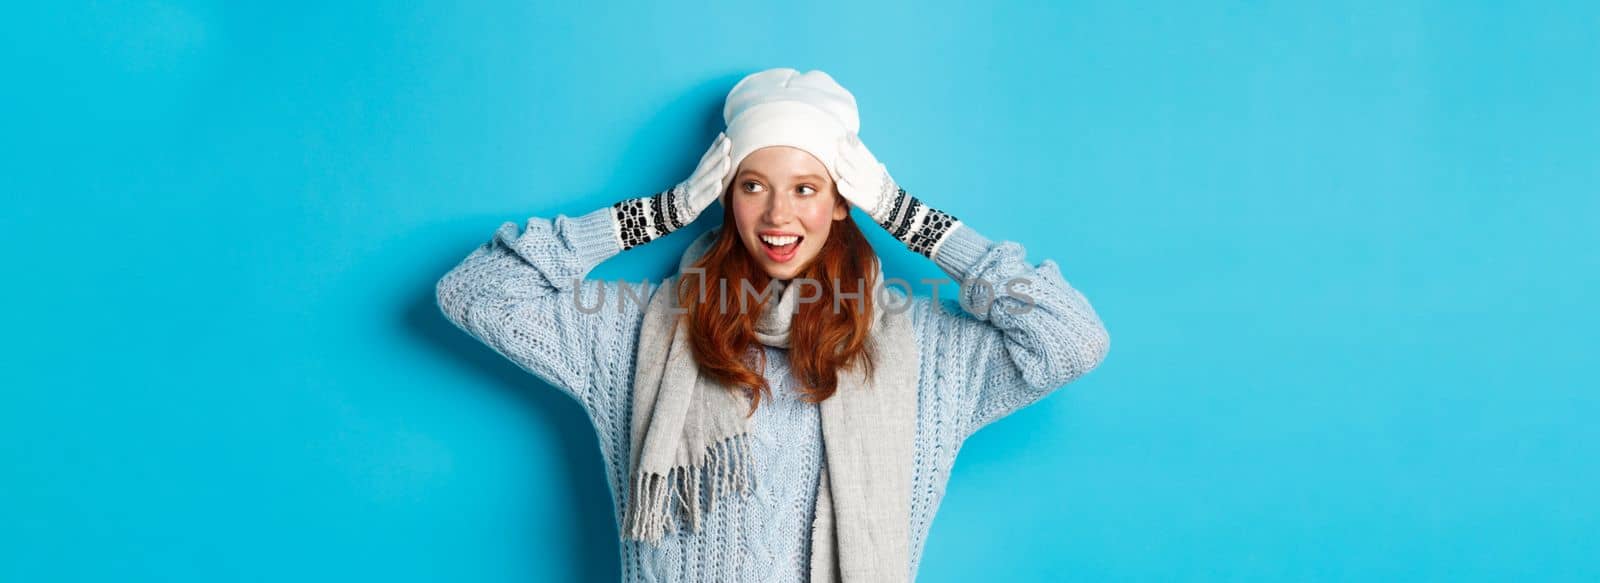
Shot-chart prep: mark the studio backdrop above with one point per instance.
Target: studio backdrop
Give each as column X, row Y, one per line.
column 1345, row 251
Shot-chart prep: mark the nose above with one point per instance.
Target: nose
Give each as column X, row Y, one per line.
column 780, row 209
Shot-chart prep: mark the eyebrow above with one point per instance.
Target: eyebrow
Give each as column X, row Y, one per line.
column 800, row 177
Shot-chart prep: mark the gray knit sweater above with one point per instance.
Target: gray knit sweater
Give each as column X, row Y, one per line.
column 523, row 294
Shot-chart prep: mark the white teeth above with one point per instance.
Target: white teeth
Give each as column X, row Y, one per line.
column 779, row 241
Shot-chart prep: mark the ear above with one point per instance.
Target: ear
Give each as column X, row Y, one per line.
column 841, row 209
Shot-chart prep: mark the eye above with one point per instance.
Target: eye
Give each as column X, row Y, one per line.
column 813, row 190
column 749, row 183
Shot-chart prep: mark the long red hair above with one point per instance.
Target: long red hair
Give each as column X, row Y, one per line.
column 822, row 343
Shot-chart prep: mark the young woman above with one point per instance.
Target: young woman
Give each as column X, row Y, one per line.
column 776, row 411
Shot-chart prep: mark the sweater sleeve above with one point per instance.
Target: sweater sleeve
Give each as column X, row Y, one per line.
column 523, row 293
column 1015, row 333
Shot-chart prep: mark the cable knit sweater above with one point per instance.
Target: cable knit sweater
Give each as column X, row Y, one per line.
column 983, row 356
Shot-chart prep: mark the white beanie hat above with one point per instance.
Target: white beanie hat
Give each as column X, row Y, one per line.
column 784, row 107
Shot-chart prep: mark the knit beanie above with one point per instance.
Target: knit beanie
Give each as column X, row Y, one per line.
column 784, row 107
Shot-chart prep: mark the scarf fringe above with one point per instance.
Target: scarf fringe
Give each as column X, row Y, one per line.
column 650, row 515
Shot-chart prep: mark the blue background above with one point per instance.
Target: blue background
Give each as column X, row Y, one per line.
column 1347, row 254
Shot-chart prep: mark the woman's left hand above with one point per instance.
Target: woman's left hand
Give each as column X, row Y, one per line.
column 865, row 182
column 862, row 180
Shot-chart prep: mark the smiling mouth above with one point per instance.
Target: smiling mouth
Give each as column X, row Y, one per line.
column 780, row 249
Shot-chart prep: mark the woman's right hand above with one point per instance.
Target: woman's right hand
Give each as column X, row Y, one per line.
column 706, row 184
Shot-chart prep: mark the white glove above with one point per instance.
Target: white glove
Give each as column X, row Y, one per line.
column 704, row 186
column 862, row 180
column 866, row 183
column 647, row 218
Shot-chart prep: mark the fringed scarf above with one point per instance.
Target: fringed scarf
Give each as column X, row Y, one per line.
column 689, row 437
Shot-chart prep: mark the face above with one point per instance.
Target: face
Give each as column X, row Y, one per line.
column 784, row 204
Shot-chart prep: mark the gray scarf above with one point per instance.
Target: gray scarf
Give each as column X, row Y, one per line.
column 688, row 436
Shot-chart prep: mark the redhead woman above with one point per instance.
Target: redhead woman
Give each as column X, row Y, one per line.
column 777, row 411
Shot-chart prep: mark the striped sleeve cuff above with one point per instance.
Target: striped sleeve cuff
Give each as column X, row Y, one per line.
column 960, row 250
column 596, row 236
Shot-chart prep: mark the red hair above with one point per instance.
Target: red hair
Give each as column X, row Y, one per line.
column 822, row 343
